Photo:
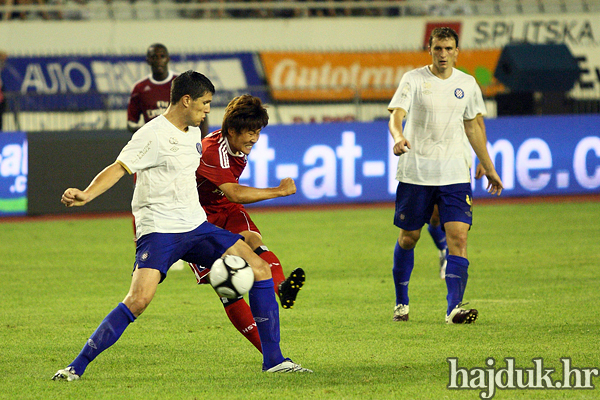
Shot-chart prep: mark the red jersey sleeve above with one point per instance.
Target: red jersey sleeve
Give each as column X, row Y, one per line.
column 134, row 106
column 217, row 167
column 214, row 164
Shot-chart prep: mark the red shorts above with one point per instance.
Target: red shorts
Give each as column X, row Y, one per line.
column 232, row 217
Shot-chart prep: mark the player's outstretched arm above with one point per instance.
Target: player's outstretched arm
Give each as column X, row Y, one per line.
column 100, row 184
column 237, row 193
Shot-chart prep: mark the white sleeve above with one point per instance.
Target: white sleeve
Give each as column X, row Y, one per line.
column 476, row 105
column 141, row 151
column 403, row 96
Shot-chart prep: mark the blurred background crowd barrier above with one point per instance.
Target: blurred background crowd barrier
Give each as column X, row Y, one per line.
column 168, row 9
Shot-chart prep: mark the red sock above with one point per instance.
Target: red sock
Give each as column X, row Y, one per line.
column 241, row 317
column 276, row 269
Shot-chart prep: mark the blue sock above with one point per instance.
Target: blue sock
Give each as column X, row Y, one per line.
column 404, row 261
column 438, row 236
column 107, row 333
column 456, row 280
column 266, row 315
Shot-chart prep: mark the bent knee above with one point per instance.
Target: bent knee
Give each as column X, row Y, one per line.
column 137, row 304
column 408, row 240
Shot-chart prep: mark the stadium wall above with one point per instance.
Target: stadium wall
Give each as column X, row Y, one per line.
column 58, row 160
column 301, row 34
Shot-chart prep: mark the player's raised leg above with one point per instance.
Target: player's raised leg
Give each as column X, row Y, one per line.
column 286, row 289
column 265, row 311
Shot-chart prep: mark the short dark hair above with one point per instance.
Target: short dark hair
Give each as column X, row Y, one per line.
column 443, row 33
column 155, row 46
column 244, row 112
column 192, row 83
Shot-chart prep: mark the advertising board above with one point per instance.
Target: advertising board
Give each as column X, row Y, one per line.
column 101, row 82
column 342, row 76
column 13, row 173
column 353, row 162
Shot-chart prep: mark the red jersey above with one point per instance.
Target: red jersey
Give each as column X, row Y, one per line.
column 218, row 165
column 149, row 98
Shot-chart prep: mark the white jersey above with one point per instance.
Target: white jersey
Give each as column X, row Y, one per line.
column 436, row 109
column 165, row 159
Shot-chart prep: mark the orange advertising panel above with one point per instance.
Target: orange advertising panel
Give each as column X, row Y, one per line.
column 301, row 76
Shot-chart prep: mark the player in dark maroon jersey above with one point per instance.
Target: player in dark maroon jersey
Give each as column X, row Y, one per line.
column 150, row 96
column 224, row 157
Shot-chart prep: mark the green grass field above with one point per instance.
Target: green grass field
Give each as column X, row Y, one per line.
column 534, row 278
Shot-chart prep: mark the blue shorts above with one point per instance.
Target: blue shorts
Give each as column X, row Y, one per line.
column 414, row 204
column 201, row 246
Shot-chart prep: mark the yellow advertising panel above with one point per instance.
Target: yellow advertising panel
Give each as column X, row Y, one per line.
column 302, row 76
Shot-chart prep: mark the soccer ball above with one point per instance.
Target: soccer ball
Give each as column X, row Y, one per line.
column 231, row 276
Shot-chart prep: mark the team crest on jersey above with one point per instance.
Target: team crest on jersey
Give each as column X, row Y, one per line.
column 199, row 148
column 459, row 93
column 173, row 140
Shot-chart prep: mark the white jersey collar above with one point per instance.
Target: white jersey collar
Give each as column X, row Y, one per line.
column 167, row 79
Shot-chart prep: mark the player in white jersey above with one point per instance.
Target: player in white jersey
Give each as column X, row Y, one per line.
column 434, row 227
column 441, row 104
column 171, row 223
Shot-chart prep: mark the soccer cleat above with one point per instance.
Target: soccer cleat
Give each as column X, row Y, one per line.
column 287, row 366
column 462, row 316
column 68, row 374
column 288, row 289
column 443, row 262
column 401, row 312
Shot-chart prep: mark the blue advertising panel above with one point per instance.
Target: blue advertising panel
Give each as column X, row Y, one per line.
column 80, row 83
column 13, row 173
column 353, row 162
column 551, row 155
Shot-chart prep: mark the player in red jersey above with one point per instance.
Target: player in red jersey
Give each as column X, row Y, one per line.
column 224, row 157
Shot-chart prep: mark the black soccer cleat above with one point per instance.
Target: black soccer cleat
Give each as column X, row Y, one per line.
column 288, row 289
column 461, row 315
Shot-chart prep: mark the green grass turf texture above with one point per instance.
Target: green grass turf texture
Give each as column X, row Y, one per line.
column 534, row 278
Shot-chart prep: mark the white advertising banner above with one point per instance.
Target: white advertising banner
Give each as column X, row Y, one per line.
column 580, row 32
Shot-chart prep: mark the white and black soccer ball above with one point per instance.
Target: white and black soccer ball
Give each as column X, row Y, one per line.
column 231, row 276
